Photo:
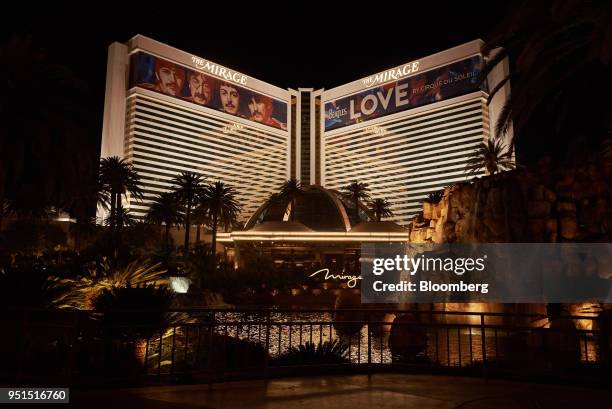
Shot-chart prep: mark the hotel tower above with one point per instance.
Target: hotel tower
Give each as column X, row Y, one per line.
column 406, row 131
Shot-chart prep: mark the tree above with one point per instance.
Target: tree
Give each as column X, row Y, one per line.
column 380, row 208
column 559, row 51
column 222, row 206
column 25, row 206
column 82, row 204
column 355, row 192
column 289, row 193
column 44, row 145
column 166, row 210
column 187, row 187
column 123, row 217
column 434, row 197
column 118, row 177
column 83, row 228
column 492, row 156
column 4, row 210
column 200, row 218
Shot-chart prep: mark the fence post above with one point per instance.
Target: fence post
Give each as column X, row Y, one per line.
column 369, row 350
column 267, row 354
column 483, row 346
column 604, row 338
column 25, row 338
column 74, row 335
column 209, row 353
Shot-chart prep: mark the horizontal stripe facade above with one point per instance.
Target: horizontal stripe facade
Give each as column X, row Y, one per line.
column 165, row 139
column 405, row 159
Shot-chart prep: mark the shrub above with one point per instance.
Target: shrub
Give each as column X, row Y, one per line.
column 333, row 352
column 80, row 292
column 434, row 197
column 130, row 313
column 26, row 285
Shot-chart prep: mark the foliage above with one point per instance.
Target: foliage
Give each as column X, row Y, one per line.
column 44, row 148
column 355, row 192
column 434, row 197
column 547, row 107
column 334, row 352
column 26, row 285
column 84, row 230
column 221, row 206
column 33, row 236
column 141, row 239
column 80, row 292
column 231, row 353
column 259, row 276
column 187, row 186
column 289, row 192
column 165, row 209
column 491, row 156
column 131, row 313
column 123, row 218
column 118, row 177
column 380, row 208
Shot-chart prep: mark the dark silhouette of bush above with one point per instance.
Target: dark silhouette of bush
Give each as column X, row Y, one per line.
column 130, row 313
column 327, row 353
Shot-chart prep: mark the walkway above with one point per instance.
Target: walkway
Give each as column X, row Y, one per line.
column 386, row 391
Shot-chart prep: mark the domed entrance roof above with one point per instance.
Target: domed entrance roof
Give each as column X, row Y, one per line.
column 378, row 227
column 318, row 209
column 281, row 227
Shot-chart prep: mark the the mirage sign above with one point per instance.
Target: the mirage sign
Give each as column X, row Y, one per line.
column 441, row 83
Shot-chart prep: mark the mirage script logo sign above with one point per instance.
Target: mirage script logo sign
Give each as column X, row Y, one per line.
column 351, row 279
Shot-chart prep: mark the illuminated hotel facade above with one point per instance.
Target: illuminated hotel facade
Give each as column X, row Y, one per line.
column 165, row 129
column 407, row 131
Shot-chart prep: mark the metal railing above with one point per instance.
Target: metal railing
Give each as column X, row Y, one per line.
column 217, row 344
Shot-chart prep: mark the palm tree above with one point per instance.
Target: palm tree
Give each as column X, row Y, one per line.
column 165, row 210
column 434, row 197
column 289, row 193
column 544, row 40
column 491, row 156
column 43, row 149
column 381, row 208
column 83, row 202
column 118, row 177
column 222, row 206
column 356, row 191
column 123, row 217
column 24, row 205
column 200, row 218
column 187, row 187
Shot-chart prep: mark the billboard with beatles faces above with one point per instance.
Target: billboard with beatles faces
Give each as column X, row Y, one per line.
column 163, row 76
column 431, row 86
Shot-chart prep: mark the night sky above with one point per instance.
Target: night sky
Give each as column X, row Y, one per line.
column 312, row 46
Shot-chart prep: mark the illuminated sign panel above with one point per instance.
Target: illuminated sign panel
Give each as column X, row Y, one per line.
column 420, row 89
column 166, row 77
column 393, row 74
column 222, row 72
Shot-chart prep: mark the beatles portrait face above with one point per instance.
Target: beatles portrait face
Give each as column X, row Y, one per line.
column 169, row 79
column 260, row 109
column 200, row 89
column 230, row 99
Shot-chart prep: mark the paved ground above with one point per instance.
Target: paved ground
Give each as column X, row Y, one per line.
column 386, row 391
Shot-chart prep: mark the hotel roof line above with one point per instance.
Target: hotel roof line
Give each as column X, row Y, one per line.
column 144, row 43
column 426, row 63
column 149, row 45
